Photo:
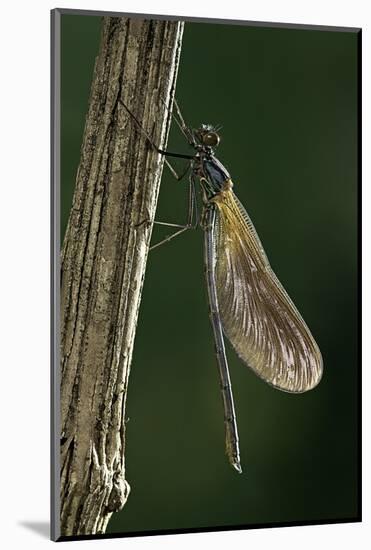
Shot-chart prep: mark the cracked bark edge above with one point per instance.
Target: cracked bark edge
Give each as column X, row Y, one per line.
column 103, row 261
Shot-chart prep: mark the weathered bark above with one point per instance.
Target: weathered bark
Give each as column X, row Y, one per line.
column 103, row 262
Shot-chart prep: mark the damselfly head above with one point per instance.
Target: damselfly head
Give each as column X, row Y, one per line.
column 208, row 135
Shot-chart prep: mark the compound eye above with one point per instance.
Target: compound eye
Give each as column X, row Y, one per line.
column 211, row 138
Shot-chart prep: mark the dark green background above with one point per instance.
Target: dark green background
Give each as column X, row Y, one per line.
column 287, row 100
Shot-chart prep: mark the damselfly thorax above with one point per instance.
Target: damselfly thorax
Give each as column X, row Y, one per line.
column 247, row 302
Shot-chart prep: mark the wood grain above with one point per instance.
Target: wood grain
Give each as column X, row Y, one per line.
column 104, row 258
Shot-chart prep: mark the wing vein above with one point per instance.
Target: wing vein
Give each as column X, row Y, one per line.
column 258, row 317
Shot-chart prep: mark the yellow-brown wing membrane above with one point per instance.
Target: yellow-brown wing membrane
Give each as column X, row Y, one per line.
column 258, row 317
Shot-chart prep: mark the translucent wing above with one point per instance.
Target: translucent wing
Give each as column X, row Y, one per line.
column 258, row 317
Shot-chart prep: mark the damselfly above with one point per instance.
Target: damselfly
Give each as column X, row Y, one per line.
column 247, row 302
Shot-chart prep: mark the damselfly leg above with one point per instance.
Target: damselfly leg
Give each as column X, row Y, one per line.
column 151, row 142
column 192, row 218
column 184, row 128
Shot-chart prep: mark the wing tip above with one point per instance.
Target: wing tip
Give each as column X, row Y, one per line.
column 304, row 386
